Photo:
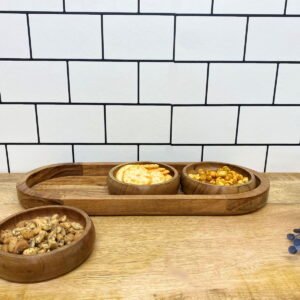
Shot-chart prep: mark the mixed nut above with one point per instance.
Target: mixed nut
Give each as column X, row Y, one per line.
column 40, row 235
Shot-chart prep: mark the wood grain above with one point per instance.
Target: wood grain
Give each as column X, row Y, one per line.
column 36, row 268
column 238, row 257
column 57, row 184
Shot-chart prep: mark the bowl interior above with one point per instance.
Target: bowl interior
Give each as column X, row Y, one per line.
column 172, row 170
column 73, row 214
column 193, row 169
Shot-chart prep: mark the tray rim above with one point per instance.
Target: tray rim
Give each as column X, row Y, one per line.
column 22, row 186
column 139, row 205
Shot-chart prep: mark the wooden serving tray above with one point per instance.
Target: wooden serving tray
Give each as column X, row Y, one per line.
column 83, row 185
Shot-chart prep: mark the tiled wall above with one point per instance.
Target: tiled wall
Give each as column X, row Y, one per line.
column 162, row 80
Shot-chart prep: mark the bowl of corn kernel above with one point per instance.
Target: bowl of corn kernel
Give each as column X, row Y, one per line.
column 145, row 178
column 216, row 178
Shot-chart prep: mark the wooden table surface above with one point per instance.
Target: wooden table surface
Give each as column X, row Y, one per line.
column 239, row 257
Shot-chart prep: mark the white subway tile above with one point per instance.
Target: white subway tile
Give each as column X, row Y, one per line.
column 31, row 5
column 13, row 36
column 71, row 123
column 101, row 5
column 284, row 159
column 23, row 158
column 109, row 153
column 103, row 81
column 249, row 6
column 273, row 39
column 241, row 83
column 66, row 36
column 207, row 125
column 17, row 124
column 172, row 83
column 138, row 124
column 288, row 88
column 138, row 37
column 33, row 81
column 248, row 156
column 210, row 38
column 176, row 6
column 3, row 161
column 170, row 153
column 271, row 125
column 293, row 7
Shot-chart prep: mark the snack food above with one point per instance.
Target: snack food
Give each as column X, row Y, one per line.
column 223, row 176
column 143, row 174
column 40, row 235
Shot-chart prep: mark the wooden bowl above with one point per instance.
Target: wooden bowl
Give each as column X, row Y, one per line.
column 117, row 187
column 193, row 186
column 40, row 267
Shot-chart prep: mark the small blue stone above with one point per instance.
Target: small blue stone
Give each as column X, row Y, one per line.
column 290, row 236
column 292, row 250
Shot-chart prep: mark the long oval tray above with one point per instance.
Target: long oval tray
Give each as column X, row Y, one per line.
column 83, row 185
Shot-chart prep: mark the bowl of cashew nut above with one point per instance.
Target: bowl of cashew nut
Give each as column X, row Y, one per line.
column 44, row 242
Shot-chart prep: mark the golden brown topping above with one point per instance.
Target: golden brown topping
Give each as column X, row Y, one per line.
column 223, row 176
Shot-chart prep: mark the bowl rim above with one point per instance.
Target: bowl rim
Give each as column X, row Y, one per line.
column 185, row 174
column 111, row 175
column 87, row 228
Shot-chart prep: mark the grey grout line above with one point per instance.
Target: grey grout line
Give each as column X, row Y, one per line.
column 153, row 60
column 138, row 6
column 237, row 125
column 73, row 154
column 149, row 104
column 151, row 13
column 68, row 80
column 202, row 152
column 266, row 158
column 29, row 35
column 138, row 152
column 246, row 37
column 105, row 124
column 7, row 158
column 154, row 144
column 171, row 125
column 102, row 36
column 275, row 84
column 285, row 7
column 138, row 82
column 207, row 78
column 37, row 123
column 212, row 7
column 174, row 37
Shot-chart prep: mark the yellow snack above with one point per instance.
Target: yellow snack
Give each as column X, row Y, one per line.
column 146, row 174
column 223, row 177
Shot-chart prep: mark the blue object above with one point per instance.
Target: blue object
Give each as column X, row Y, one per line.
column 290, row 236
column 296, row 242
column 293, row 250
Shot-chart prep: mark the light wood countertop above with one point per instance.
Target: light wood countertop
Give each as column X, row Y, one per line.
column 239, row 257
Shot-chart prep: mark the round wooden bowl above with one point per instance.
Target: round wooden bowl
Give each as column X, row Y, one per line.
column 40, row 267
column 117, row 187
column 192, row 186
